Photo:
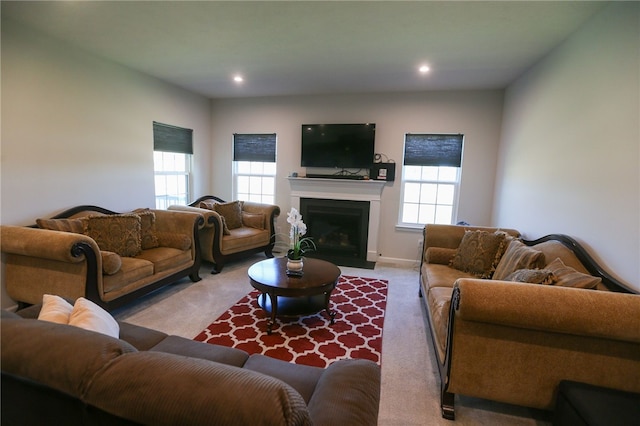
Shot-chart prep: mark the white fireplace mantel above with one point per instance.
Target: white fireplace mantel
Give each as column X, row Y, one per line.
column 344, row 189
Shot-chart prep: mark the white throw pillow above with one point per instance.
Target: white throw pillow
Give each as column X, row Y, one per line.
column 55, row 309
column 90, row 316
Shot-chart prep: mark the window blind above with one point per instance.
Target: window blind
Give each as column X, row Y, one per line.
column 169, row 138
column 433, row 150
column 254, row 147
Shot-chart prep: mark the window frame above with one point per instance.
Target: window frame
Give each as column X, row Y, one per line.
column 254, row 158
column 172, row 140
column 401, row 224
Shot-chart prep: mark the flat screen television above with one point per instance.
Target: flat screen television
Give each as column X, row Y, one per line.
column 347, row 146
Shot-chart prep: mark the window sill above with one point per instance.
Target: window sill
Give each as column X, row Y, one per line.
column 409, row 228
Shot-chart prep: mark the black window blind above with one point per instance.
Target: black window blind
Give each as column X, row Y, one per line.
column 254, row 147
column 433, row 150
column 169, row 138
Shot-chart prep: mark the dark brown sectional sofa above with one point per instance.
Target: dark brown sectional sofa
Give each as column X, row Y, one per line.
column 61, row 374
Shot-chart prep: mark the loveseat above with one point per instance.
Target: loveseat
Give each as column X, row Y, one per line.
column 509, row 319
column 233, row 229
column 92, row 252
column 61, row 374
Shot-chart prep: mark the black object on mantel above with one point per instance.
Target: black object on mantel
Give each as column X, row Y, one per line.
column 350, row 177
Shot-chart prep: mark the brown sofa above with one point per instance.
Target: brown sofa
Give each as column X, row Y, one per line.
column 73, row 262
column 61, row 374
column 233, row 229
column 514, row 342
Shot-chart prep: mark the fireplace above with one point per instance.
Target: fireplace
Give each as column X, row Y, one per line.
column 339, row 229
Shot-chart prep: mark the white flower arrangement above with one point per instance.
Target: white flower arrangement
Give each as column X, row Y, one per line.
column 298, row 244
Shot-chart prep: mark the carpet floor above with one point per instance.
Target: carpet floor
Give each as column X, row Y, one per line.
column 410, row 383
column 359, row 306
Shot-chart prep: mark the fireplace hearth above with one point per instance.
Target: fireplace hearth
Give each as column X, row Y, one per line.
column 339, row 229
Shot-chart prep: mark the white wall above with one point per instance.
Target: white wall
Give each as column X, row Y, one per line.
column 77, row 129
column 476, row 114
column 569, row 156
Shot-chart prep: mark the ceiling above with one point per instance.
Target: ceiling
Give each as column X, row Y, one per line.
column 307, row 47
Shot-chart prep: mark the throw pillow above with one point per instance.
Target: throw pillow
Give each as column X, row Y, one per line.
column 176, row 241
column 253, row 220
column 518, row 256
column 88, row 315
column 55, row 309
column 111, row 262
column 479, row 252
column 207, row 204
column 120, row 234
column 232, row 213
column 65, row 225
column 148, row 237
column 533, row 276
column 569, row 277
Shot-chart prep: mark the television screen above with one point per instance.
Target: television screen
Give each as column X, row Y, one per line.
column 338, row 145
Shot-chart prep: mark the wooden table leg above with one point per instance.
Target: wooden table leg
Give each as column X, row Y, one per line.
column 274, row 311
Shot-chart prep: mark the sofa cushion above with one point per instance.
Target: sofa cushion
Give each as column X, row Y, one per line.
column 533, row 276
column 163, row 389
column 176, row 241
column 139, row 337
column 66, row 225
column 55, row 309
column 207, row 204
column 568, row 277
column 133, row 269
column 479, row 252
column 232, row 213
column 439, row 299
column 148, row 231
column 71, row 358
column 253, row 220
column 117, row 233
column 88, row 315
column 439, row 255
column 518, row 256
column 302, row 378
column 437, row 275
column 193, row 349
column 165, row 258
column 242, row 238
column 111, row 262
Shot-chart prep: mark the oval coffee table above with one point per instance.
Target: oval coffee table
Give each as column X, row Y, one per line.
column 294, row 296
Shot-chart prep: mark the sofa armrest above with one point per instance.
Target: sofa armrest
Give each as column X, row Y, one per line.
column 592, row 313
column 348, row 393
column 44, row 243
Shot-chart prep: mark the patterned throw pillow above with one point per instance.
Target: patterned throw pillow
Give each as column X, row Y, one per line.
column 232, row 213
column 207, row 204
column 518, row 256
column 569, row 277
column 479, row 252
column 533, row 276
column 149, row 238
column 117, row 233
column 65, row 225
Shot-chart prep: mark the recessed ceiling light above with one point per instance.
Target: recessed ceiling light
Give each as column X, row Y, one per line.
column 424, row 69
column 238, row 78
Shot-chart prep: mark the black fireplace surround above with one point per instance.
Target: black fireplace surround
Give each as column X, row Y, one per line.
column 340, row 230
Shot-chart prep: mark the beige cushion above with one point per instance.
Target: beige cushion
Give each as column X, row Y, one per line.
column 88, row 315
column 479, row 252
column 111, row 262
column 440, row 255
column 207, row 204
column 117, row 233
column 253, row 220
column 568, row 277
column 148, row 232
column 55, row 309
column 533, row 276
column 66, row 225
column 232, row 213
column 518, row 256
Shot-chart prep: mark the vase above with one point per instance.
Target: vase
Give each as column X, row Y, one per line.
column 294, row 267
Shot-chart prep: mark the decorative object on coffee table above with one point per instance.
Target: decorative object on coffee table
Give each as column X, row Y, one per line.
column 299, row 295
column 298, row 244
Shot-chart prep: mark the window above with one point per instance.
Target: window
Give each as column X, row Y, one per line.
column 172, row 156
column 254, row 167
column 430, row 179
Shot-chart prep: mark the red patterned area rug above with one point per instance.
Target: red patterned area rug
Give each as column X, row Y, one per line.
column 359, row 304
